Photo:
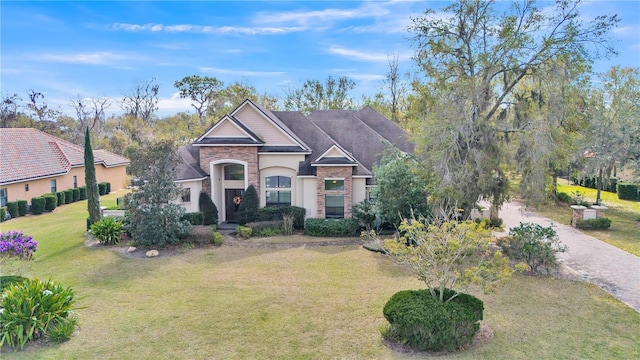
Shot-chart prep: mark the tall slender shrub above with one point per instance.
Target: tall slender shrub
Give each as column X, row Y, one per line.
column 249, row 206
column 76, row 194
column 50, row 202
column 90, row 179
column 61, row 195
column 83, row 192
column 68, row 196
column 12, row 207
column 37, row 205
column 22, row 207
column 208, row 208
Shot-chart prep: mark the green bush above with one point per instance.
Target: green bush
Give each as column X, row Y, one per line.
column 275, row 213
column 208, row 209
column 38, row 205
column 423, row 322
column 534, row 244
column 61, row 196
column 217, row 238
column 30, row 307
column 61, row 330
column 563, row 197
column 76, row 194
column 12, row 207
column 83, row 192
column 249, row 206
column 594, row 224
column 7, row 280
column 50, row 201
column 23, row 206
column 271, row 231
column 68, row 196
column 108, row 185
column 3, row 214
column 102, row 188
column 194, row 218
column 628, row 191
column 107, row 230
column 244, row 232
column 331, row 227
column 261, row 225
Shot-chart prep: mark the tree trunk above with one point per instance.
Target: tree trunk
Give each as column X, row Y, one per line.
column 599, row 187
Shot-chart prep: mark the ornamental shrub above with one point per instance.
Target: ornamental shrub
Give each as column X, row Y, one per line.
column 277, row 213
column 331, row 227
column 425, row 323
column 208, row 209
column 12, row 207
column 83, row 192
column 51, row 201
column 38, row 205
column 16, row 244
column 30, row 307
column 22, row 207
column 594, row 224
column 563, row 197
column 68, row 196
column 244, row 232
column 3, row 214
column 61, row 196
column 76, row 194
column 217, row 238
column 249, row 206
column 261, row 225
column 107, row 230
column 102, row 188
column 61, row 330
column 534, row 244
column 194, row 218
column 108, row 189
column 627, row 191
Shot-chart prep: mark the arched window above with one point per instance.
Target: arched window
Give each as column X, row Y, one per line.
column 234, row 172
column 278, row 190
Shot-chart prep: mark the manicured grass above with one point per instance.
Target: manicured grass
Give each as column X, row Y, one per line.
column 299, row 303
column 624, row 232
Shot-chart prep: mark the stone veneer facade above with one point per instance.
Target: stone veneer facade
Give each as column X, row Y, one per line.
column 249, row 154
column 334, row 172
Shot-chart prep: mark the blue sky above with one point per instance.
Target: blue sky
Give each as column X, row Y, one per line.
column 92, row 49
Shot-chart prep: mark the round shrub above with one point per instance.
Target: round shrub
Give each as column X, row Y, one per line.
column 425, row 323
column 50, row 201
column 68, row 196
column 37, row 205
column 563, row 197
column 208, row 209
column 83, row 192
column 22, row 207
column 12, row 207
column 102, row 188
column 76, row 194
column 61, row 197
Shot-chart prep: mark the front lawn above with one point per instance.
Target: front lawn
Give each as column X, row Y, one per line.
column 624, row 232
column 298, row 303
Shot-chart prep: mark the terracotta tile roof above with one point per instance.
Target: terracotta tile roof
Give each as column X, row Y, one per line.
column 27, row 154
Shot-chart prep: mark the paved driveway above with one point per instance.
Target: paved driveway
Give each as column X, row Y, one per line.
column 613, row 269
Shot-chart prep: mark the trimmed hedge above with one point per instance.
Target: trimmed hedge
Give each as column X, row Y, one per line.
column 102, row 188
column 331, row 227
column 425, row 323
column 3, row 214
column 261, row 225
column 83, row 192
column 38, row 205
column 108, row 184
column 76, row 194
column 194, row 218
column 244, row 232
column 23, row 207
column 61, row 195
column 276, row 213
column 594, row 224
column 12, row 207
column 68, row 196
column 628, row 191
column 51, row 201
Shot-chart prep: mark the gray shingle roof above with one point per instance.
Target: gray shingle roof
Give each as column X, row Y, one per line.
column 189, row 168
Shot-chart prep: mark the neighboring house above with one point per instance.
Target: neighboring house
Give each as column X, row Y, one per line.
column 34, row 163
column 322, row 162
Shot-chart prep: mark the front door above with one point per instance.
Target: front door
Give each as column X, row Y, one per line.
column 233, row 198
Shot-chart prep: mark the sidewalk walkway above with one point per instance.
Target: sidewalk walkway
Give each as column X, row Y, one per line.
column 614, row 270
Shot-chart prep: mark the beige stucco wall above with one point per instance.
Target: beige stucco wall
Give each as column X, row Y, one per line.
column 195, row 187
column 310, row 195
column 116, row 176
column 267, row 130
column 359, row 190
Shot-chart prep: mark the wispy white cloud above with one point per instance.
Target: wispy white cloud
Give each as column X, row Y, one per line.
column 367, row 55
column 626, row 31
column 95, row 58
column 365, row 77
column 205, row 29
column 240, row 72
column 174, row 103
column 321, row 17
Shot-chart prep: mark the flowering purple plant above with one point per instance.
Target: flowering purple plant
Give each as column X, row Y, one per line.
column 16, row 244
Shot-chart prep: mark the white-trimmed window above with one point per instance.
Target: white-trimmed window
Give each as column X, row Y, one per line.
column 334, row 206
column 334, row 184
column 186, row 195
column 278, row 190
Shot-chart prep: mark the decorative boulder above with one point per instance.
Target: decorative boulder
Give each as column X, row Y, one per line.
column 131, row 249
column 152, row 253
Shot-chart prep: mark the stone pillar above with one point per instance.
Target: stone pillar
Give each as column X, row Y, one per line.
column 578, row 214
column 599, row 210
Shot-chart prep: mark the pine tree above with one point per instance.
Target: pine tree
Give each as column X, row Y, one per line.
column 90, row 180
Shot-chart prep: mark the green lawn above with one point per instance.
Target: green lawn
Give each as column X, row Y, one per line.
column 624, row 232
column 298, row 303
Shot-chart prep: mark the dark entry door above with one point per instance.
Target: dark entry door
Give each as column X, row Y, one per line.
column 233, row 198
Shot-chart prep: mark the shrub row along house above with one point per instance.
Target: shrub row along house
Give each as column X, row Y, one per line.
column 34, row 163
column 322, row 161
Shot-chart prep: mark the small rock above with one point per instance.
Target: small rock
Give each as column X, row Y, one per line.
column 152, row 253
column 130, row 249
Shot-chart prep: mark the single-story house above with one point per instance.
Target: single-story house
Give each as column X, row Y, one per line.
column 322, row 161
column 34, row 163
